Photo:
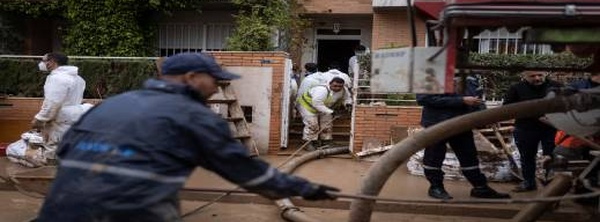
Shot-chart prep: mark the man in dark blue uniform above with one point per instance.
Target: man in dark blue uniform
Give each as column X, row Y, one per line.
column 436, row 109
column 126, row 159
column 530, row 132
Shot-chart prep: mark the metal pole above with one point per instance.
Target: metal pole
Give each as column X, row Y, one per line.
column 411, row 20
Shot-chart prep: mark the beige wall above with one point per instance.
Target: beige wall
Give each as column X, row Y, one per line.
column 338, row 6
column 364, row 23
column 254, row 89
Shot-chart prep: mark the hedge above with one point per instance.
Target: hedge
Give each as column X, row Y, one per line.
column 496, row 82
column 21, row 77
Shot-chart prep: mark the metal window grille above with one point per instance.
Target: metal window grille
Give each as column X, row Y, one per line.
column 501, row 41
column 175, row 38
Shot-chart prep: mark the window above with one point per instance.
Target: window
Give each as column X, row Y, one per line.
column 175, row 38
column 501, row 41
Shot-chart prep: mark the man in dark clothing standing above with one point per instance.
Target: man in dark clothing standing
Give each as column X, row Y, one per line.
column 530, row 132
column 126, row 158
column 438, row 108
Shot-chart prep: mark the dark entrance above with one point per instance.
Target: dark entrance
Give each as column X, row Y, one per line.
column 338, row 51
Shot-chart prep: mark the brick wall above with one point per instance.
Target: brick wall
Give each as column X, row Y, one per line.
column 377, row 121
column 337, row 6
column 391, row 28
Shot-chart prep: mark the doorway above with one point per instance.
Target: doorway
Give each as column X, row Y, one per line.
column 338, row 51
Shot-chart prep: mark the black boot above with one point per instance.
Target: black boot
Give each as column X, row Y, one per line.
column 488, row 192
column 311, row 146
column 438, row 192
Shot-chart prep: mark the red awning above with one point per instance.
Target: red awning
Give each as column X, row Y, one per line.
column 430, row 9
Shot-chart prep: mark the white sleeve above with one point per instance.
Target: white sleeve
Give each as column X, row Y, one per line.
column 55, row 93
column 319, row 94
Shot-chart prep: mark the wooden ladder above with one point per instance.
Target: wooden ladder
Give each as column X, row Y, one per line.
column 225, row 104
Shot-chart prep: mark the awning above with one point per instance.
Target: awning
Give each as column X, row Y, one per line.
column 430, row 9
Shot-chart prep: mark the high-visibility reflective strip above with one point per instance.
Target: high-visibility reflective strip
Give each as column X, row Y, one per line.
column 121, row 171
column 470, row 168
column 261, row 179
column 431, row 168
column 306, row 102
column 306, row 99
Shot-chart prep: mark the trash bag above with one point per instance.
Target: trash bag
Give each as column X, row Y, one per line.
column 29, row 151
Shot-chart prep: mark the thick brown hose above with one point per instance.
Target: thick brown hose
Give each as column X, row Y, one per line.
column 288, row 210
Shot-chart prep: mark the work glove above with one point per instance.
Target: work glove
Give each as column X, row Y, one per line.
column 320, row 193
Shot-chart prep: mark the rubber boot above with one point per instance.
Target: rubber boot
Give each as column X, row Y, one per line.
column 438, row 192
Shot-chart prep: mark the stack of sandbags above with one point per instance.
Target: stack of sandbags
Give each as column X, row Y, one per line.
column 493, row 164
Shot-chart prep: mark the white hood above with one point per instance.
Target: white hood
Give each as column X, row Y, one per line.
column 69, row 70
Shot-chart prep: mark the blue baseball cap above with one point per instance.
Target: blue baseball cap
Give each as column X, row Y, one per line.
column 195, row 62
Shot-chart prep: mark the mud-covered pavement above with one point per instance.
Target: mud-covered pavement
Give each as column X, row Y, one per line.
column 339, row 171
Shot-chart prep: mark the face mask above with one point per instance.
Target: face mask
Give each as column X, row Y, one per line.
column 42, row 67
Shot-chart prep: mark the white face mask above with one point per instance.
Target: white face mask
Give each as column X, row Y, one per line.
column 42, row 67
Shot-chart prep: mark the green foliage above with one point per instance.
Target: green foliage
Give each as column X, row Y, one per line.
column 20, row 77
column 13, row 15
column 101, row 28
column 402, row 99
column 107, row 28
column 258, row 20
column 559, row 60
column 497, row 82
column 31, row 8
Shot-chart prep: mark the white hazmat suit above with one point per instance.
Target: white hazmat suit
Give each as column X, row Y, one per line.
column 63, row 94
column 315, row 106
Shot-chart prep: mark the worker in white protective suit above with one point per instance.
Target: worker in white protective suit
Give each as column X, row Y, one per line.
column 335, row 72
column 314, row 79
column 317, row 107
column 353, row 66
column 63, row 95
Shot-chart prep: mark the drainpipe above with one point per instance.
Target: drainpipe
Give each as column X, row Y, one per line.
column 380, row 171
column 288, row 210
column 559, row 186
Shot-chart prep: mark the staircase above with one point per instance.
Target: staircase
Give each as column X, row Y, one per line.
column 341, row 133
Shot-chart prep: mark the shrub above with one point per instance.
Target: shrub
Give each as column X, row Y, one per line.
column 21, row 77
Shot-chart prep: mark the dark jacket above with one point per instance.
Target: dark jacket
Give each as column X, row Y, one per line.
column 437, row 108
column 584, row 84
column 137, row 149
column 440, row 107
column 523, row 91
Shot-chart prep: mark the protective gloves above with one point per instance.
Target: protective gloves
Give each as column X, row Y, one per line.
column 320, row 193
